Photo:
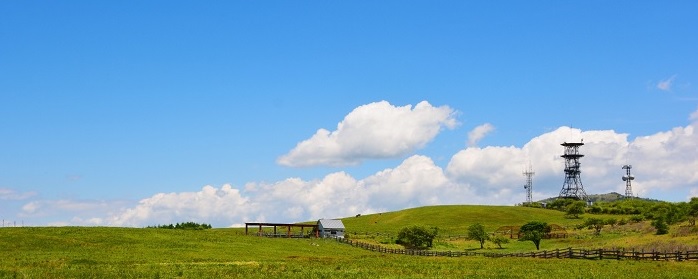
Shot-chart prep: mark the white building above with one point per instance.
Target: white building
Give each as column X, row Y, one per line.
column 330, row 228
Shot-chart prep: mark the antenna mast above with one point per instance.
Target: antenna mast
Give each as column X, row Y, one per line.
column 572, row 187
column 628, row 178
column 529, row 184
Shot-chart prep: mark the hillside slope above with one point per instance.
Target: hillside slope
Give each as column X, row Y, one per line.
column 455, row 219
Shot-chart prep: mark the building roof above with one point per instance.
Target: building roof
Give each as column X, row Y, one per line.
column 331, row 224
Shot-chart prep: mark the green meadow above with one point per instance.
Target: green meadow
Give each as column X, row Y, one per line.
column 106, row 252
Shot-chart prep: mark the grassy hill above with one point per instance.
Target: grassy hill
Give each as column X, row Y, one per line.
column 103, row 252
column 455, row 219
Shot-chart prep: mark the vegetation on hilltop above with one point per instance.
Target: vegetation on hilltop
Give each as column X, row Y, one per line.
column 183, row 226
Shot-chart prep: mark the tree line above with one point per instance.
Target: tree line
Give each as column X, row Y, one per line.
column 183, row 226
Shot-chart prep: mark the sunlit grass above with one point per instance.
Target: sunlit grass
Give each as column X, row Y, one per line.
column 99, row 252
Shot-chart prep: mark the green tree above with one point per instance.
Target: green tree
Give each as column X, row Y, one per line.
column 575, row 209
column 499, row 240
column 477, row 232
column 692, row 211
column 596, row 224
column 417, row 237
column 661, row 225
column 534, row 231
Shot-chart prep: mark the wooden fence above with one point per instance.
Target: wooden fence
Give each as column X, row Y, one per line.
column 569, row 253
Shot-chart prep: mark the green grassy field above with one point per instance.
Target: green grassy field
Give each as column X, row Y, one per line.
column 100, row 252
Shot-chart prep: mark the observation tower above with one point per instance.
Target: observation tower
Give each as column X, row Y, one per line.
column 627, row 178
column 573, row 188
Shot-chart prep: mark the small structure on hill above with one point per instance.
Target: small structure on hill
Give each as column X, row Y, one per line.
column 330, row 228
column 529, row 184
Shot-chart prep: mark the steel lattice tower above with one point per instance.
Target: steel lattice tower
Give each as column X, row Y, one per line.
column 573, row 188
column 529, row 184
column 627, row 178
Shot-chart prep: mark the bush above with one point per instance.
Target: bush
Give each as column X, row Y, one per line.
column 661, row 225
column 499, row 240
column 596, row 224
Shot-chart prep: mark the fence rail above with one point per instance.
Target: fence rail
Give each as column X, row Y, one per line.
column 550, row 235
column 568, row 253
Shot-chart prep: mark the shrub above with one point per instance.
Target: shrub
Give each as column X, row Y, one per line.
column 499, row 240
column 661, row 225
column 596, row 224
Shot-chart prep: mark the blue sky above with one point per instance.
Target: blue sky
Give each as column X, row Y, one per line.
column 134, row 114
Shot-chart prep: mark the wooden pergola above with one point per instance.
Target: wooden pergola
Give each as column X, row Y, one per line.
column 275, row 225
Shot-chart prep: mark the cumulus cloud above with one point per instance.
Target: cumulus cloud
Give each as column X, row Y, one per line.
column 665, row 85
column 375, row 130
column 415, row 182
column 478, row 133
column 663, row 163
column 500, row 167
column 212, row 204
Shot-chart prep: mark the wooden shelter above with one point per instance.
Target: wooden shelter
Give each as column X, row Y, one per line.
column 276, row 233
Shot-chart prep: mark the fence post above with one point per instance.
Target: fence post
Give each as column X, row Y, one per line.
column 600, row 254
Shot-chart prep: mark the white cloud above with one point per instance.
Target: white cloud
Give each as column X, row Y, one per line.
column 83, row 211
column 665, row 85
column 693, row 192
column 375, row 130
column 664, row 164
column 694, row 117
column 661, row 162
column 415, row 182
column 500, row 168
column 478, row 133
column 10, row 194
column 211, row 204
